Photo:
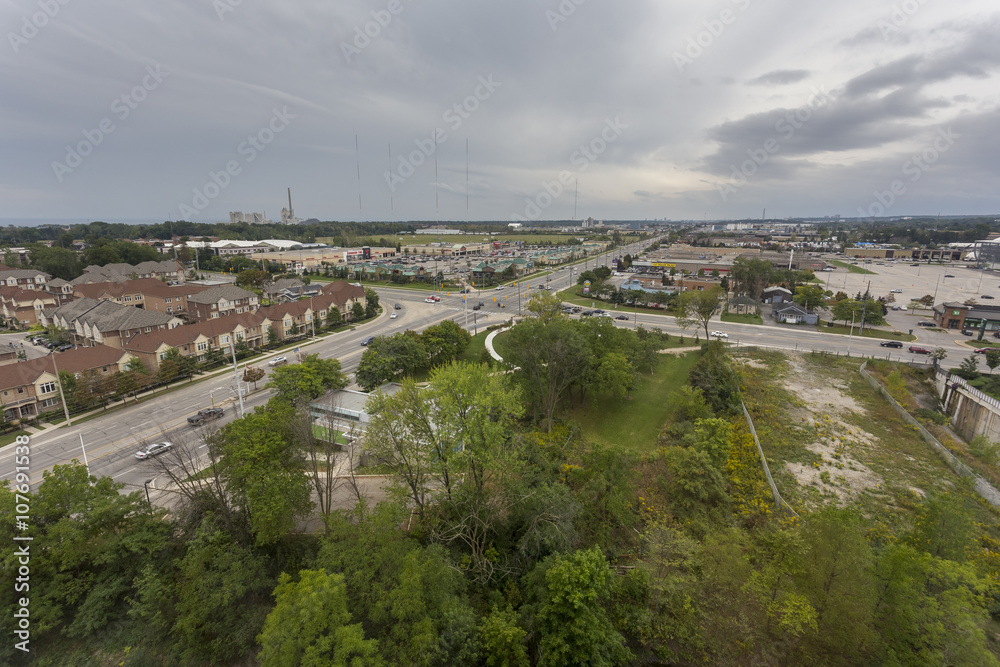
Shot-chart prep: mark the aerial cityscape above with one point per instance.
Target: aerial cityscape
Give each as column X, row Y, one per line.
column 556, row 333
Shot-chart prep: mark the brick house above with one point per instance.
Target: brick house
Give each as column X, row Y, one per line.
column 106, row 322
column 219, row 301
column 21, row 308
column 196, row 340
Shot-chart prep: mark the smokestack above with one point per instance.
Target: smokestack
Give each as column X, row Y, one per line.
column 291, row 211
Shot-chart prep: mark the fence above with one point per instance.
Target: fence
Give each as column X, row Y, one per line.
column 779, row 502
column 984, row 488
column 950, row 379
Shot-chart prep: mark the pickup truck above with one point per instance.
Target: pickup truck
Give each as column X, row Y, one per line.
column 208, row 414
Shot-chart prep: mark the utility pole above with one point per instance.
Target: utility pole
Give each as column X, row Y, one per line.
column 62, row 396
column 236, row 374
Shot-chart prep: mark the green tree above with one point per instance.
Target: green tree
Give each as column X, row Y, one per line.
column 810, row 296
column 357, row 311
column 697, row 307
column 750, row 276
column 550, row 358
column 371, row 302
column 992, row 358
column 253, row 279
column 718, row 381
column 272, row 336
column 306, row 381
column 503, row 639
column 311, row 626
column 545, row 306
column 388, row 356
column 570, row 624
column 969, row 368
column 252, row 374
column 333, row 317
column 444, row 342
column 261, row 472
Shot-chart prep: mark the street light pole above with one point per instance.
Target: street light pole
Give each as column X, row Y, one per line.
column 236, row 374
column 145, row 485
column 85, row 464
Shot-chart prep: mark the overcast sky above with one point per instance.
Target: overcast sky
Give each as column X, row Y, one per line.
column 648, row 109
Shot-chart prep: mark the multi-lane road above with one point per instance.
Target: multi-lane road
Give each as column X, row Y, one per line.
column 111, row 441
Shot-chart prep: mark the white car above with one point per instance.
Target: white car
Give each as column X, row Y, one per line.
column 898, row 290
column 499, row 287
column 153, row 450
column 719, row 334
column 393, row 316
column 902, row 307
column 278, row 361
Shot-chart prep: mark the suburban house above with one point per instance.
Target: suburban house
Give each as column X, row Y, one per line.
column 29, row 388
column 26, row 279
column 61, row 289
column 106, row 322
column 196, row 340
column 290, row 289
column 775, row 295
column 792, row 313
column 220, row 300
column 148, row 293
column 285, row 317
column 169, row 270
column 21, row 308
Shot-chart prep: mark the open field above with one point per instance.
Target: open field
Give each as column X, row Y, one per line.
column 868, row 333
column 634, row 423
column 741, row 319
column 830, row 438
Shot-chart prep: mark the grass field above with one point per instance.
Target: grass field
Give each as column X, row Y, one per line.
column 741, row 319
column 323, row 433
column 851, row 268
column 634, row 423
column 8, row 438
column 869, row 333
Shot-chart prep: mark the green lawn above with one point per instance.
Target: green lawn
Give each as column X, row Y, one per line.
column 634, row 424
column 869, row 333
column 323, row 433
column 742, row 319
column 851, row 268
column 8, row 438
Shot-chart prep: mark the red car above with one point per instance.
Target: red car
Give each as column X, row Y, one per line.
column 919, row 350
column 983, row 350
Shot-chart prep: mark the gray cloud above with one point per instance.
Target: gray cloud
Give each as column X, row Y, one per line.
column 560, row 80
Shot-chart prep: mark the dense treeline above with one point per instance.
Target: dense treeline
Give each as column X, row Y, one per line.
column 506, row 539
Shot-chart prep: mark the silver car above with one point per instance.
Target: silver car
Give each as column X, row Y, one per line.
column 153, row 450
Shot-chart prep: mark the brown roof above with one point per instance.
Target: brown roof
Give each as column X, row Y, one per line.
column 343, row 290
column 76, row 360
column 296, row 308
column 185, row 334
column 22, row 373
column 152, row 286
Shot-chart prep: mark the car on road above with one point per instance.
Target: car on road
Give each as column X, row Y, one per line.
column 154, row 449
column 393, row 316
column 476, row 307
column 430, row 299
column 902, row 308
column 967, row 332
column 499, row 288
column 278, row 361
column 983, row 350
column 622, row 317
column 586, row 313
column 925, row 323
column 948, row 275
column 202, row 416
column 914, row 264
column 367, row 341
column 986, row 296
column 891, row 343
column 898, row 290
column 916, row 349
column 397, row 306
column 719, row 334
